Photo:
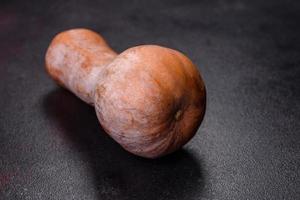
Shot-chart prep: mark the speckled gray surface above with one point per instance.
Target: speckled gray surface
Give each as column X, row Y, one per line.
column 52, row 146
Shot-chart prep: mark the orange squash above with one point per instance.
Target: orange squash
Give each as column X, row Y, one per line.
column 150, row 99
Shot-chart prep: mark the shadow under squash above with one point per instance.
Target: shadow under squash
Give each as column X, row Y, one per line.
column 118, row 174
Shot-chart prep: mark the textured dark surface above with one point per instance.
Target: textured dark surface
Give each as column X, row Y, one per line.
column 52, row 146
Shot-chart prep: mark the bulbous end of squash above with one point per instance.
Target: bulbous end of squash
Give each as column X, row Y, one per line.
column 151, row 101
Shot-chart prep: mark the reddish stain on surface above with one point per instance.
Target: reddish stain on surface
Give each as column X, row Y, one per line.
column 9, row 178
column 5, row 178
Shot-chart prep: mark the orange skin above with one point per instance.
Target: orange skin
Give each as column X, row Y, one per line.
column 150, row 99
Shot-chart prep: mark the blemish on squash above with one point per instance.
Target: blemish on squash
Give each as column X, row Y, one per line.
column 100, row 90
column 86, row 64
column 80, row 89
column 178, row 114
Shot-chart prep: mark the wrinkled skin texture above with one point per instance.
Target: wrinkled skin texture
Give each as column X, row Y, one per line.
column 150, row 99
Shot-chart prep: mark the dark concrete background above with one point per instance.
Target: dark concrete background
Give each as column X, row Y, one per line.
column 52, row 146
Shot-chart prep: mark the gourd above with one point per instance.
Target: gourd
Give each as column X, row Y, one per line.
column 150, row 99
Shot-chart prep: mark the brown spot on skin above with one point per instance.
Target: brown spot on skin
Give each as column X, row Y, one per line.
column 86, row 64
column 100, row 90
